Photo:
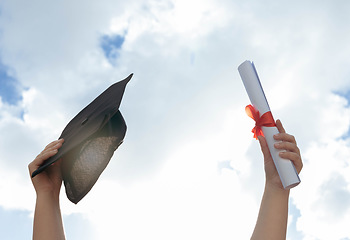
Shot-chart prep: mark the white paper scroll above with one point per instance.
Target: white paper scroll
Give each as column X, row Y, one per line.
column 285, row 168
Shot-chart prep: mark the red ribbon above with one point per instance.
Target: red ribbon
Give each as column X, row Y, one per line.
column 266, row 120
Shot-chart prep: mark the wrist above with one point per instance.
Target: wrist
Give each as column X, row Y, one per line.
column 276, row 190
column 49, row 197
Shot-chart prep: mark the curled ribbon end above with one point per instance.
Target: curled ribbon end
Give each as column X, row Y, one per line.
column 257, row 132
column 266, row 120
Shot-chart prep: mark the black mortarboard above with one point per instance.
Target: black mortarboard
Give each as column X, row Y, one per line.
column 90, row 140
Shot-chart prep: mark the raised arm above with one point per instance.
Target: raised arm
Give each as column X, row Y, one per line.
column 273, row 213
column 47, row 217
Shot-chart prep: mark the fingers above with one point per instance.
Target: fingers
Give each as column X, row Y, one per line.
column 49, row 151
column 54, row 144
column 294, row 157
column 288, row 143
column 285, row 137
column 289, row 146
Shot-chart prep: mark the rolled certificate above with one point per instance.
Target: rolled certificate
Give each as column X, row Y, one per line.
column 285, row 168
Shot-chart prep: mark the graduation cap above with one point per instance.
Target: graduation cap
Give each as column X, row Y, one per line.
column 90, row 140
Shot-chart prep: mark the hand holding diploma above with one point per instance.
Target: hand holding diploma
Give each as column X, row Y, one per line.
column 289, row 151
column 265, row 125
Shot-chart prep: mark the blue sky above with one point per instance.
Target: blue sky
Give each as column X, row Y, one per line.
column 18, row 218
column 111, row 46
column 9, row 91
column 188, row 161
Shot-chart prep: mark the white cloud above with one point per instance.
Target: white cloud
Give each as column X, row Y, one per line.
column 325, row 188
column 184, row 109
column 186, row 199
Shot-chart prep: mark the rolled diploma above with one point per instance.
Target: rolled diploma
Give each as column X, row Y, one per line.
column 285, row 168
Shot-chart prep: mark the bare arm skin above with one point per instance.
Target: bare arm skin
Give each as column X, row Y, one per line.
column 273, row 213
column 47, row 217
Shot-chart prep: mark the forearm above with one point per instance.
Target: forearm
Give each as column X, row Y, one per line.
column 273, row 215
column 47, row 219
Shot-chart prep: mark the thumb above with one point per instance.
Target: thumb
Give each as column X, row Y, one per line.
column 280, row 126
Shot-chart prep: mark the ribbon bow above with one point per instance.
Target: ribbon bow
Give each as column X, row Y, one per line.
column 266, row 120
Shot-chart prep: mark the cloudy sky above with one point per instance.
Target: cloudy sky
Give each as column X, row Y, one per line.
column 189, row 167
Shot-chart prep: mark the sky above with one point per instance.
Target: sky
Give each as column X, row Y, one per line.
column 189, row 167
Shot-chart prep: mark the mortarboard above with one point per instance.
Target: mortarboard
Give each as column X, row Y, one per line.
column 90, row 140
